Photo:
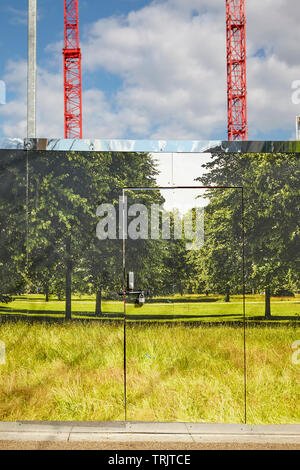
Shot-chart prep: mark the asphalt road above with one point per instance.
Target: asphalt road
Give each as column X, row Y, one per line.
column 38, row 445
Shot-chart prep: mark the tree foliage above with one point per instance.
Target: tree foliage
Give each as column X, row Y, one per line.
column 270, row 185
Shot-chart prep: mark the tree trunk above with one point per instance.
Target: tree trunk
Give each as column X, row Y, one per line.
column 47, row 292
column 267, row 303
column 227, row 296
column 98, row 309
column 68, row 314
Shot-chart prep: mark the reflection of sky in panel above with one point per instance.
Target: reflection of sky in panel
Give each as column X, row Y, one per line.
column 181, row 169
column 183, row 199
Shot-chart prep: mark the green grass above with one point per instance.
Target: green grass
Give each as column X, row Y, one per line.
column 74, row 371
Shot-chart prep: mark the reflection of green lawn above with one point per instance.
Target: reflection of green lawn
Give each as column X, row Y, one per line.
column 212, row 308
column 218, row 311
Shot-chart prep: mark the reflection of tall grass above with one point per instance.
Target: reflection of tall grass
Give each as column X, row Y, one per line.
column 74, row 371
column 197, row 374
column 62, row 372
column 273, row 380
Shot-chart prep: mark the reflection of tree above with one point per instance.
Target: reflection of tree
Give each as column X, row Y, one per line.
column 271, row 190
column 176, row 270
column 218, row 264
column 64, row 253
column 145, row 257
column 100, row 268
column 64, row 192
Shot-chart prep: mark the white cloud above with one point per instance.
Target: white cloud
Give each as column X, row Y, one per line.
column 167, row 71
column 171, row 56
column 49, row 102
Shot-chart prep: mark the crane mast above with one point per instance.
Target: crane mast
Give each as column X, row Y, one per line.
column 236, row 70
column 72, row 72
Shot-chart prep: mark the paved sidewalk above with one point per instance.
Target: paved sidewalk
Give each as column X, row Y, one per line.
column 129, row 432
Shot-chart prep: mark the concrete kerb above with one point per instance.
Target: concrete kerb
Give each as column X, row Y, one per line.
column 148, row 431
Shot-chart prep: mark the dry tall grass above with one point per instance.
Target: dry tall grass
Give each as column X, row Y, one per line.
column 74, row 371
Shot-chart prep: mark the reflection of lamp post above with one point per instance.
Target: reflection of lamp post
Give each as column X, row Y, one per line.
column 31, row 71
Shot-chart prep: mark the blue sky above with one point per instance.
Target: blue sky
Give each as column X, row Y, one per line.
column 153, row 69
column 13, row 41
column 51, row 21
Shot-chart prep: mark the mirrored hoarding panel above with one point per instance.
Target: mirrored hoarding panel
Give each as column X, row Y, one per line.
column 13, row 272
column 13, row 278
column 183, row 258
column 271, row 188
column 63, row 327
column 64, row 266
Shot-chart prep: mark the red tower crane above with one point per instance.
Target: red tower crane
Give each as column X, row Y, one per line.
column 72, row 72
column 236, row 69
